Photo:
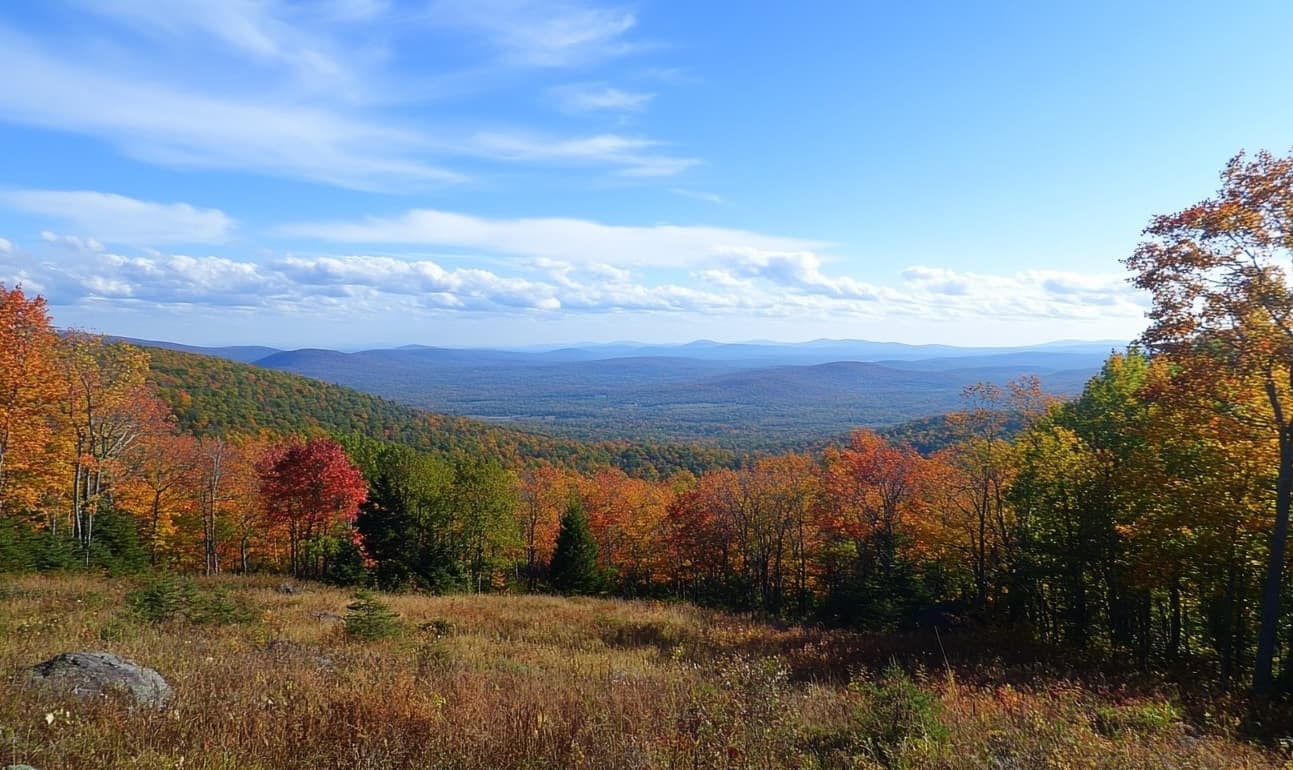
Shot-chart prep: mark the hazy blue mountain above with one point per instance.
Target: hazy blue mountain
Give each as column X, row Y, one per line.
column 743, row 394
column 244, row 354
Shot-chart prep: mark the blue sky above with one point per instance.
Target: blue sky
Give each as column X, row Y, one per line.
column 461, row 172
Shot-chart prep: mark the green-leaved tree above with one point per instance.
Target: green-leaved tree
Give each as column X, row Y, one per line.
column 574, row 562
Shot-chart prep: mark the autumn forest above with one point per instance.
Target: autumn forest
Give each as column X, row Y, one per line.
column 1144, row 520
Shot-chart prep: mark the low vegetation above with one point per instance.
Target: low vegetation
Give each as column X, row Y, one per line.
column 503, row 681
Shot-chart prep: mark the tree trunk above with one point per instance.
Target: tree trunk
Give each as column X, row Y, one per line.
column 1174, row 623
column 1264, row 665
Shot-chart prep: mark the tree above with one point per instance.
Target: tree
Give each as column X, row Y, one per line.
column 405, row 522
column 28, row 391
column 574, row 561
column 310, row 488
column 102, row 403
column 872, row 492
column 1221, row 298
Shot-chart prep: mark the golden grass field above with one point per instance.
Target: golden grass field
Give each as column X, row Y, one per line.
column 546, row 682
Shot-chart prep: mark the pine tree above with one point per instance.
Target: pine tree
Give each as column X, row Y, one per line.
column 574, row 562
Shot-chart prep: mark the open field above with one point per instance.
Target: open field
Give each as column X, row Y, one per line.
column 542, row 682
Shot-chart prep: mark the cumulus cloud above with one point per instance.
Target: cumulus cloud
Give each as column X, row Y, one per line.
column 119, row 219
column 800, row 270
column 563, row 270
column 1022, row 295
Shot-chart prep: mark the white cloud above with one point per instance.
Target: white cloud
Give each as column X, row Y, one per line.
column 6, row 246
column 168, row 83
column 119, row 219
column 73, row 243
column 1023, row 295
column 181, row 126
column 699, row 195
column 595, row 97
column 572, row 240
column 636, row 156
column 799, row 270
column 535, row 33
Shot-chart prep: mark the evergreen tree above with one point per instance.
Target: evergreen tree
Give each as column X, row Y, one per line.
column 574, row 562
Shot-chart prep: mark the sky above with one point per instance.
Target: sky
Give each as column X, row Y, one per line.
column 357, row 173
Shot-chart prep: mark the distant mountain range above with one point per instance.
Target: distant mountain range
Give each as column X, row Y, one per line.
column 758, row 394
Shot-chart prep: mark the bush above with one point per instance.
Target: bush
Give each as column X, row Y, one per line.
column 1136, row 718
column 168, row 597
column 894, row 711
column 369, row 618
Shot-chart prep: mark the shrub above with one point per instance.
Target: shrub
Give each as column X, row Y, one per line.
column 894, row 711
column 168, row 597
column 1150, row 718
column 370, row 618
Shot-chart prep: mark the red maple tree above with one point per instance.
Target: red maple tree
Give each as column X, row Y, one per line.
column 309, row 488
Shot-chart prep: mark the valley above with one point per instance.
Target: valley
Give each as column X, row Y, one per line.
column 737, row 396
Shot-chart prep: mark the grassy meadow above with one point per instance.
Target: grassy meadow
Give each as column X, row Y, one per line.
column 273, row 681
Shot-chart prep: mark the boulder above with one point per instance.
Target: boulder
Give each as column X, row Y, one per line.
column 288, row 589
column 100, row 674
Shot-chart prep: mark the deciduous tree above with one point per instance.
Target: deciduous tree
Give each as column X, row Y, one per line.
column 309, row 487
column 1218, row 275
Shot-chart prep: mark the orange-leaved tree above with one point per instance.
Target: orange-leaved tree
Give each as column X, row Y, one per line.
column 1218, row 275
column 28, row 391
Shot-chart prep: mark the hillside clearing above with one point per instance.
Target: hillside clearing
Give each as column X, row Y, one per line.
column 265, row 679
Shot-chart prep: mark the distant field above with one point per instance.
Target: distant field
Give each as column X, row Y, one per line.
column 541, row 682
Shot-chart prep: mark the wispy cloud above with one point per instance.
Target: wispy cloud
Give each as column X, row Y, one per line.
column 573, row 240
column 338, row 97
column 119, row 219
column 179, row 126
column 599, row 97
column 699, row 195
column 635, row 156
column 534, row 33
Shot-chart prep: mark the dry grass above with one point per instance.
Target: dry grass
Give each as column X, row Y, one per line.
column 539, row 682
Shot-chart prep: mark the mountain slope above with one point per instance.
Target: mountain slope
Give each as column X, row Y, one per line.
column 212, row 395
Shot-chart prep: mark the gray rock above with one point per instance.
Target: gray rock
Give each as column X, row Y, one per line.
column 100, row 674
column 288, row 588
column 19, row 767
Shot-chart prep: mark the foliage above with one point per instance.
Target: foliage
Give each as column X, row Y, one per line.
column 1223, row 309
column 166, row 597
column 574, row 567
column 894, row 711
column 214, row 396
column 313, row 490
column 368, row 618
column 1146, row 718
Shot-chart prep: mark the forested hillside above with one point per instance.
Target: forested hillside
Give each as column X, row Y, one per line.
column 216, row 396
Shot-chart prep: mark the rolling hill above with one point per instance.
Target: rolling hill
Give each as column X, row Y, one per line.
column 740, row 396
